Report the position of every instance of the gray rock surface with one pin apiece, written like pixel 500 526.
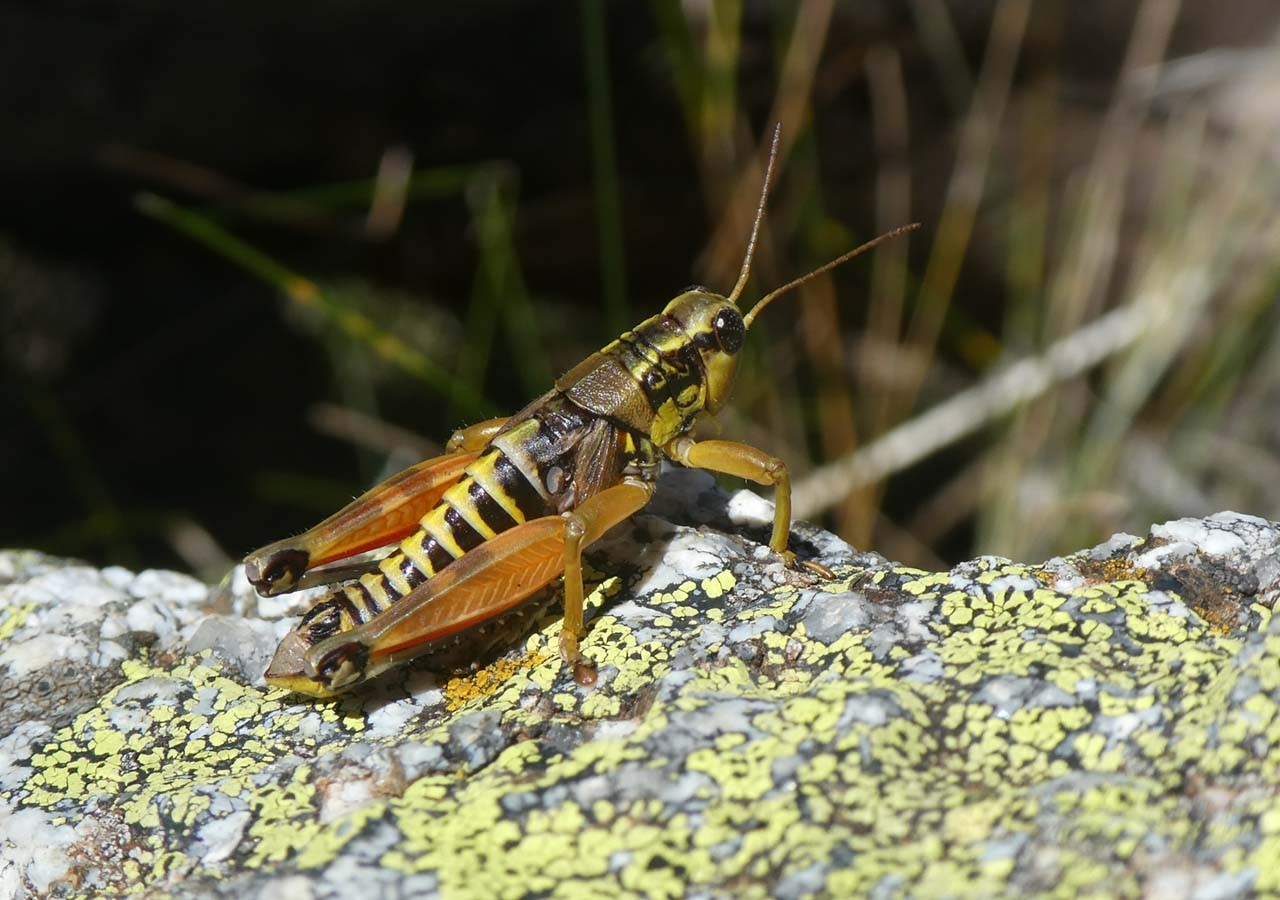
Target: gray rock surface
pixel 1104 721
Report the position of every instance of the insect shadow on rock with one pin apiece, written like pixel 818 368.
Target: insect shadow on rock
pixel 514 501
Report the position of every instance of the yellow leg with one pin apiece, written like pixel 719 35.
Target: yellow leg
pixel 474 437
pixel 747 462
pixel 582 527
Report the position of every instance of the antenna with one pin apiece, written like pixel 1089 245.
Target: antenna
pixel 790 285
pixel 755 229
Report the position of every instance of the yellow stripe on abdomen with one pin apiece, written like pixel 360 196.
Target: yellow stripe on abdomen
pixel 434 525
pixel 459 498
pixel 483 470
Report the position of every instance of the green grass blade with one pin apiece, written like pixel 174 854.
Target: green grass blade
pixel 613 265
pixel 306 293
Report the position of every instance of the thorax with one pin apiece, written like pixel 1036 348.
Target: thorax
pixel 651 380
pixel 569 453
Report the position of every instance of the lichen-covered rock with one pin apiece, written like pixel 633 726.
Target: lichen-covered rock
pixel 1105 720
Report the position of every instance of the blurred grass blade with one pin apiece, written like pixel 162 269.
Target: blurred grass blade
pixel 480 328
pixel 493 209
pixel 968 180
pixel 890 124
pixel 720 84
pixel 938 34
pixel 819 318
pixel 306 293
pixel 613 266
pixel 801 54
pixel 970 410
pixel 682 55
pixel 390 193
pixel 107 522
pixel 321 201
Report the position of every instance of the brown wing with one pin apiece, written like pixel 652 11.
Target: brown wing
pixel 495 577
pixel 598 460
pixel 602 384
pixel 381 516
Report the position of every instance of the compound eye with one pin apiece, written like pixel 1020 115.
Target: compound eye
pixel 730 332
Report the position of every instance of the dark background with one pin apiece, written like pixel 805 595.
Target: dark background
pixel 159 403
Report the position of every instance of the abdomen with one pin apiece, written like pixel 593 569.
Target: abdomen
pixel 493 495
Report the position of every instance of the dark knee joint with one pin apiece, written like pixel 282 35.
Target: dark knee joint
pixel 776 469
pixel 574 530
pixel 276 572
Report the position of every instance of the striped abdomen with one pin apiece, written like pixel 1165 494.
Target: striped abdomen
pixel 492 496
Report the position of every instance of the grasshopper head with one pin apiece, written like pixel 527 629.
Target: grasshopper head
pixel 715 327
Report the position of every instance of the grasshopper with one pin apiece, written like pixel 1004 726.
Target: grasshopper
pixel 513 502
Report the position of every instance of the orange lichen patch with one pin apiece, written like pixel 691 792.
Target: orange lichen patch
pixel 463 689
pixel 1045 577
pixel 1198 585
pixel 1109 571
pixel 100 848
pixel 1218 604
